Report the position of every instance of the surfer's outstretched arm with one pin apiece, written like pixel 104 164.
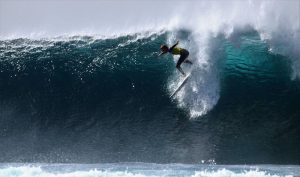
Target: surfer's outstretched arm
pixel 164 49
pixel 171 48
pixel 161 53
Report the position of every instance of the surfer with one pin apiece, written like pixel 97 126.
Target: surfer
pixel 176 51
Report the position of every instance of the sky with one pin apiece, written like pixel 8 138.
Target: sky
pixel 26 18
pixel 65 16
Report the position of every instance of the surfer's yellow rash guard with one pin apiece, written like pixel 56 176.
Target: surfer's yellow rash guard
pixel 176 51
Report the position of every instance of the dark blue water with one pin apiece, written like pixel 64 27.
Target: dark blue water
pixel 87 100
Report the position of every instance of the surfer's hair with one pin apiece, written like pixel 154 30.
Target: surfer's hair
pixel 164 47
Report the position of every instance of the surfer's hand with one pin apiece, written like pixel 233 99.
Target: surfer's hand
pixel 161 53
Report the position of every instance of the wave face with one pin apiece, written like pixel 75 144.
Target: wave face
pixel 89 100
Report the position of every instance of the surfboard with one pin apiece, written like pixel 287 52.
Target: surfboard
pixel 180 85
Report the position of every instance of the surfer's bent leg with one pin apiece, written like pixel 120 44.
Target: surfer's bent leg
pixel 180 70
pixel 181 59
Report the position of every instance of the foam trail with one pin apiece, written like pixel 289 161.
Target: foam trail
pixel 201 92
pixel 32 171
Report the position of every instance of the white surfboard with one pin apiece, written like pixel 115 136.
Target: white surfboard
pixel 180 85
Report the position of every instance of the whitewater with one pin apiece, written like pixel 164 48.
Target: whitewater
pixel 84 93
pixel 144 169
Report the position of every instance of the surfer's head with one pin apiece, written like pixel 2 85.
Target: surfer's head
pixel 164 48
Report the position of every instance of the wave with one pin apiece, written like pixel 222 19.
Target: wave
pixel 98 87
pixel 63 94
pixel 280 35
pixel 86 55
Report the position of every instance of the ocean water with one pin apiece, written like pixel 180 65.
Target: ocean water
pixel 98 104
pixel 107 100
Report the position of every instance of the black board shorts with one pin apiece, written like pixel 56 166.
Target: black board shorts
pixel 183 55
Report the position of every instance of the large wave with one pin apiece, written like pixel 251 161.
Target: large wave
pixel 63 94
pixel 277 23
